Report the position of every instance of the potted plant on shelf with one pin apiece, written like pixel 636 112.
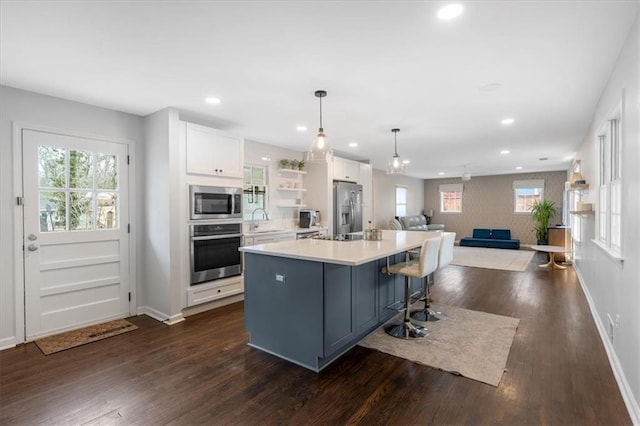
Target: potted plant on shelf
pixel 542 212
pixel 301 165
pixel 284 163
pixel 295 164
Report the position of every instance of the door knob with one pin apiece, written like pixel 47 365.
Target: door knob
pixel 32 237
pixel 32 247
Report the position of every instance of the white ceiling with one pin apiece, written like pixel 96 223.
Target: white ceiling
pixel 384 64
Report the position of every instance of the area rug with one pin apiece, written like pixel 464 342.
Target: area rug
pixel 490 258
pixel 82 336
pixel 468 343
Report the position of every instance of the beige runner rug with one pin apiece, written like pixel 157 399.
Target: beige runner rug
pixel 82 336
pixel 469 343
pixel 491 258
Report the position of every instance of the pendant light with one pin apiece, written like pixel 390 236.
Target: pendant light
pixel 320 150
pixel 396 166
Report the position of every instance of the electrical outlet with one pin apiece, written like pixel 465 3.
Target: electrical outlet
pixel 617 320
pixel 280 278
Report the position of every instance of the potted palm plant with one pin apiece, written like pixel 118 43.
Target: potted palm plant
pixel 542 212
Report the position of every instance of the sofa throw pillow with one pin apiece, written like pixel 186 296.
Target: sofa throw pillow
pixel 501 234
pixel 481 233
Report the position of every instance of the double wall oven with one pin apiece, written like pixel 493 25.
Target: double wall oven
pixel 215 232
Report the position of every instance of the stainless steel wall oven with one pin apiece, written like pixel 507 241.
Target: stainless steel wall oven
pixel 214 251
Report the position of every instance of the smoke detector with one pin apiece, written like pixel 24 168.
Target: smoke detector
pixel 466 175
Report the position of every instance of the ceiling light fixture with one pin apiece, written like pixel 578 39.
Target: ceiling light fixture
pixel 508 121
pixel 320 150
pixel 406 161
pixel 353 144
pixel 212 100
pixel 518 167
pixel 440 173
pixel 395 166
pixel 450 11
pixel 504 151
pixel 301 128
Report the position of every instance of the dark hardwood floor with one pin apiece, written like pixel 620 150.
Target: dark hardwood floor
pixel 202 371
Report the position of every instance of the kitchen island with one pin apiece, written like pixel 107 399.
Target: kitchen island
pixel 309 301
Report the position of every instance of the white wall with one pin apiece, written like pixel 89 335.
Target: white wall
pixel 384 196
pixel 614 288
pixel 281 217
pixel 28 108
pixel 156 290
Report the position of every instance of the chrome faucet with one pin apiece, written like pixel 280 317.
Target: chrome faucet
pixel 254 225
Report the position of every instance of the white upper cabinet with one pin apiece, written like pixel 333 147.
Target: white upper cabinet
pixel 213 153
pixel 346 170
pixel 364 179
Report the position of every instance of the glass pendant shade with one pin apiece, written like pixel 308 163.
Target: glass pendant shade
pixel 320 150
pixel 395 166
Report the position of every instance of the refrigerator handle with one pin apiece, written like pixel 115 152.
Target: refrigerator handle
pixel 352 211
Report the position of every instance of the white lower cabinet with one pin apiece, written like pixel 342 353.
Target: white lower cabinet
pixel 269 238
pixel 214 290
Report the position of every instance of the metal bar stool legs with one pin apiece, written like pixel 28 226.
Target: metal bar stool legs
pixel 428 314
pixel 407 329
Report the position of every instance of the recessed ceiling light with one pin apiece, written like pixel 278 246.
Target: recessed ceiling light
pixel 504 151
pixel 301 128
pixel 507 121
pixel 406 161
pixel 491 87
pixel 265 159
pixel 353 144
pixel 450 11
pixel 519 168
pixel 212 100
pixel 440 173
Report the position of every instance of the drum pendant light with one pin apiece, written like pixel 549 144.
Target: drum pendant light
pixel 320 150
pixel 395 166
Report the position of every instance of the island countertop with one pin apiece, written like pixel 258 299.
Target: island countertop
pixel 352 253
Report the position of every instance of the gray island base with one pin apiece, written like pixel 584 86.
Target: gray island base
pixel 309 301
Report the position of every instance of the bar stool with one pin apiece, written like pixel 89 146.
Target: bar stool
pixel 445 256
pixel 418 268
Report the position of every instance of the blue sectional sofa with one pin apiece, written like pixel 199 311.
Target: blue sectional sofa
pixel 492 238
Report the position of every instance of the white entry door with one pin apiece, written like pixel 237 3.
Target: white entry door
pixel 76 245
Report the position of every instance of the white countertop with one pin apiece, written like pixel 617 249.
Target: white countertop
pixel 350 253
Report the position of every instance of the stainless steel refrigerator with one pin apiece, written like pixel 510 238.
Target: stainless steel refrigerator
pixel 347 207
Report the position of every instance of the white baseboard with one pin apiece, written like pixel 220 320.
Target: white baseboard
pixel 7 342
pixel 174 319
pixel 623 384
pixel 160 316
pixel 192 310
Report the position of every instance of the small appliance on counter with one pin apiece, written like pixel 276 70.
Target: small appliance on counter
pixel 309 218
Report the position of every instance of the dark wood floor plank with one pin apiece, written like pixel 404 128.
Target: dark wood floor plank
pixel 201 371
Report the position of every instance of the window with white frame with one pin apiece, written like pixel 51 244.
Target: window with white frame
pixel 525 193
pixel 401 200
pixel 451 198
pixel 609 219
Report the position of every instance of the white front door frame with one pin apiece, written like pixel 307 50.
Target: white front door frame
pixel 18 220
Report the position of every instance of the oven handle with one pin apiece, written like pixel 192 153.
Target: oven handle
pixel 215 237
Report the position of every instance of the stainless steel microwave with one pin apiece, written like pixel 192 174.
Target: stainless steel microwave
pixel 215 202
